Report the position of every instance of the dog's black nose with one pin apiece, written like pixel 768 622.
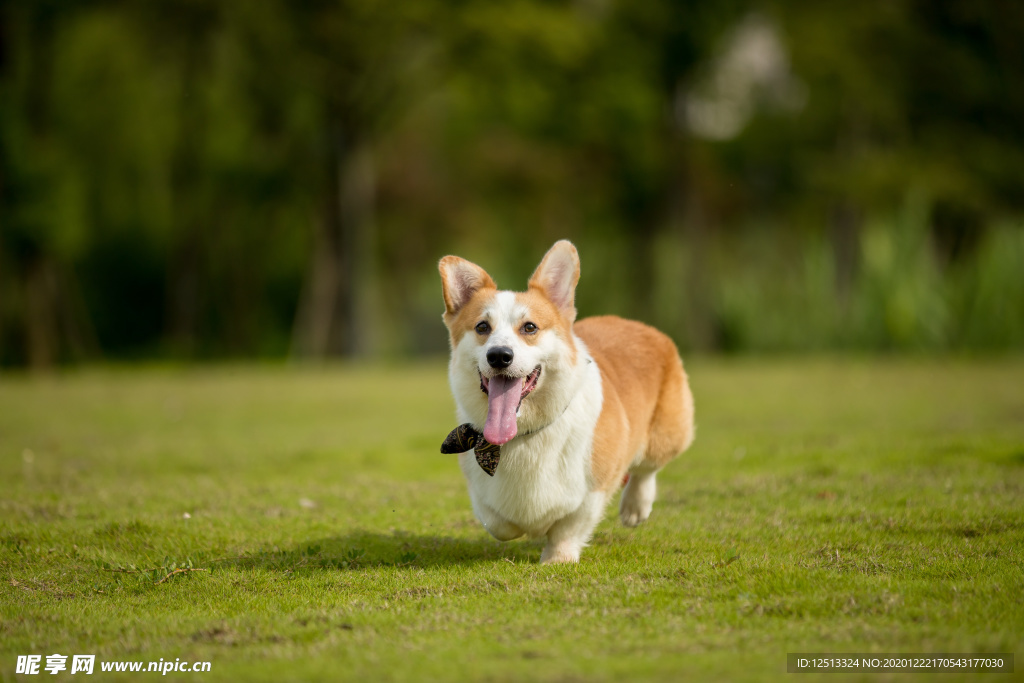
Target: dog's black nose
pixel 499 357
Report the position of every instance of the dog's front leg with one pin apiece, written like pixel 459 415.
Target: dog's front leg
pixel 496 526
pixel 569 535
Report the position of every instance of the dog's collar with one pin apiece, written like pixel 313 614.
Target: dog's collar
pixel 557 418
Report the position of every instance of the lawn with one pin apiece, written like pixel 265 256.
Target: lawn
pixel 829 505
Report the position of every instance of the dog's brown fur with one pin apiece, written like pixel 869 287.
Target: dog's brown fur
pixel 648 407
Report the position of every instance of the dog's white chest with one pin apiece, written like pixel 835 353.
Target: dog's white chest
pixel 543 476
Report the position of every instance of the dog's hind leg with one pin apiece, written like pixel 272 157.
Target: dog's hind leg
pixel 638 496
pixel 502 530
pixel 672 429
pixel 498 527
pixel 671 433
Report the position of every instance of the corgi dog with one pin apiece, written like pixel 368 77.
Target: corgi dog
pixel 564 409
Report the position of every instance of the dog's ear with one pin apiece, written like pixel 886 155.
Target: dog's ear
pixel 460 280
pixel 557 275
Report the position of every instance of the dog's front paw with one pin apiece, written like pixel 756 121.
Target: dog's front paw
pixel 560 554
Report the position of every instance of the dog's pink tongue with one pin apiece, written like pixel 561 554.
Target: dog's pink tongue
pixel 503 394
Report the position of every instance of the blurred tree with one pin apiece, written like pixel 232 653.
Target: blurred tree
pixel 362 58
pixel 573 109
pixel 908 92
pixel 185 32
pixel 668 193
pixel 40 228
pixel 207 177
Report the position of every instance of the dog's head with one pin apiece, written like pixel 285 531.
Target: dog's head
pixel 507 346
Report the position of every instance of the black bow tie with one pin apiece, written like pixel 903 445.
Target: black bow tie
pixel 465 437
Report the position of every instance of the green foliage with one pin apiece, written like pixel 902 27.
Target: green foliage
pixel 239 179
pixel 826 505
pixel 901 301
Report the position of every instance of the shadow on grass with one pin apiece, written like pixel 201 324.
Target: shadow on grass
pixel 366 549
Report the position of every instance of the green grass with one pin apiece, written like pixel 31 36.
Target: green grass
pixel 826 506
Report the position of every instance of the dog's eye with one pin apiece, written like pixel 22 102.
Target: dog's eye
pixel 483 327
pixel 529 328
